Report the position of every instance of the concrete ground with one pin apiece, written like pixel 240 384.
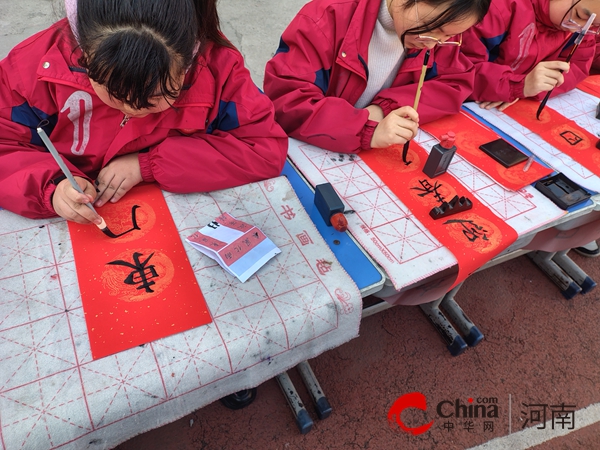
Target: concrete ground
pixel 254 26
pixel 539 349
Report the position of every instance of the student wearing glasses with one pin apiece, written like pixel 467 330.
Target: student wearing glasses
pixel 519 49
pixel 346 71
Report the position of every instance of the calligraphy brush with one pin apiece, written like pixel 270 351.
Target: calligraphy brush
pixel 102 226
pixel 417 97
pixel 578 40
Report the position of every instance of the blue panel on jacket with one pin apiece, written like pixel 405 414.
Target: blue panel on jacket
pixel 30 116
pixel 283 47
pixel 432 72
pixel 227 118
pixel 493 46
pixel 322 79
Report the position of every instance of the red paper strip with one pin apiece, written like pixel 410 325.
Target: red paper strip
pixel 591 85
pixel 474 237
pixel 470 134
pixel 558 131
pixel 140 286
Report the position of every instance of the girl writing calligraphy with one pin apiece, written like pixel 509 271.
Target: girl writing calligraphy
pixel 130 91
pixel 346 72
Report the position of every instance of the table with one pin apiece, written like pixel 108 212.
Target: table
pixel 423 276
pixel 52 394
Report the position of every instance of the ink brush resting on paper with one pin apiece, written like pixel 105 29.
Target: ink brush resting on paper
pixel 578 40
pixel 417 97
pixel 50 146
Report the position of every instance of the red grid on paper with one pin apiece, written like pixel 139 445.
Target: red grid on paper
pixel 52 392
pixel 394 226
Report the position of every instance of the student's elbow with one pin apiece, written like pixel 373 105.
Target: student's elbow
pixel 273 156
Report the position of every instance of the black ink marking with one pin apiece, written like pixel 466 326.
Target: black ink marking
pixel 141 273
pixel 135 226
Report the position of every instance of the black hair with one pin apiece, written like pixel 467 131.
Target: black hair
pixel 455 10
pixel 138 49
pixel 209 29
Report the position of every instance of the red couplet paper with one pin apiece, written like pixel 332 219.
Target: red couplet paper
pixel 470 134
pixel 591 85
pixel 140 286
pixel 474 236
pixel 560 132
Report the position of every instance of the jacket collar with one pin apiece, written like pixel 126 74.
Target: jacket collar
pixel 358 36
pixel 542 14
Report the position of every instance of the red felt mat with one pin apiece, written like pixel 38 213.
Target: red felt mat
pixel 140 286
pixel 470 134
pixel 591 85
pixel 560 132
pixel 474 236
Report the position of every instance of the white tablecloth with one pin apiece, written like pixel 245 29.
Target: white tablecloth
pixel 53 395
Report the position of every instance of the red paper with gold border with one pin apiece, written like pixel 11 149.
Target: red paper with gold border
pixel 560 132
pixel 140 286
pixel 591 85
pixel 474 237
pixel 470 134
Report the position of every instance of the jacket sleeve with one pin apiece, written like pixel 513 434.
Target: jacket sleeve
pixel 297 78
pixel 27 169
pixel 242 144
pixel 482 44
pixel 580 66
pixel 595 70
pixel 487 45
pixel 447 85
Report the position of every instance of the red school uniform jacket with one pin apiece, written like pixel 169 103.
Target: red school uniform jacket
pixel 221 132
pixel 512 39
pixel 320 71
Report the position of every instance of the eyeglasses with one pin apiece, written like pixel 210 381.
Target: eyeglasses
pixel 422 38
pixel 569 21
pixel 431 39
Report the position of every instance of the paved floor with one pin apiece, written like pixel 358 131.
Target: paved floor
pixel 539 349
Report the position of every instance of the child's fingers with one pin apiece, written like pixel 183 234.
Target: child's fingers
pixel 106 187
pixel 556 65
pixel 393 130
pixel 117 178
pixel 489 105
pixel 505 105
pixel 408 112
pixel 71 205
pixel 114 190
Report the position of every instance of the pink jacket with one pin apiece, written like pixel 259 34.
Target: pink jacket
pixel 320 71
pixel 221 133
pixel 595 70
pixel 512 39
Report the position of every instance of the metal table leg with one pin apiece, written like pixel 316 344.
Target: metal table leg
pixel 574 271
pixel 454 341
pixel 303 420
pixel 544 260
pixel 466 327
pixel 314 388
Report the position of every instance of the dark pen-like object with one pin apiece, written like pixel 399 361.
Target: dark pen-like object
pixel 578 40
pixel 417 97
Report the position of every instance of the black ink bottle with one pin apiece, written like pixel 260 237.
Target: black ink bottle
pixel 440 156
